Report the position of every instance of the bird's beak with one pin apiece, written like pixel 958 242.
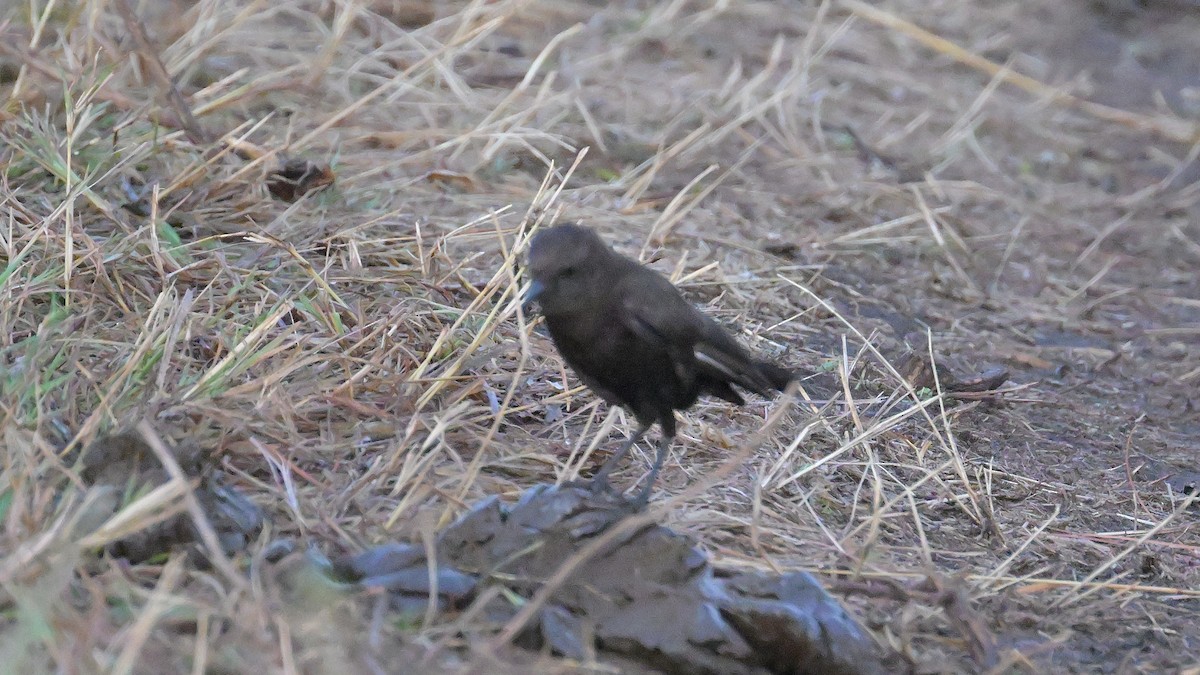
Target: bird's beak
pixel 535 290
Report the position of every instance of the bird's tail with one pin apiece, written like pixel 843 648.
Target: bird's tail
pixel 777 376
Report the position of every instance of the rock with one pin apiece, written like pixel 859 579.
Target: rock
pixel 649 598
pixel 123 461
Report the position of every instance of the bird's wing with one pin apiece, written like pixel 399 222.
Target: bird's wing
pixel 720 353
pixel 653 309
pixel 692 340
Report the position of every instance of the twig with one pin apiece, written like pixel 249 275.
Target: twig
pixel 207 534
pixel 191 127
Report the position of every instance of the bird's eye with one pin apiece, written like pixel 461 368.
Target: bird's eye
pixel 570 271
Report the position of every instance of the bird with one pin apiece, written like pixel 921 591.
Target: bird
pixel 633 339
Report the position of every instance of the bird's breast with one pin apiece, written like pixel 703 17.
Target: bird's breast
pixel 621 366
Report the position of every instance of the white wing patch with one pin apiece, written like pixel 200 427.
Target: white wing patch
pixel 716 365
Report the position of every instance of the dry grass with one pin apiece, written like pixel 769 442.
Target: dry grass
pixel 358 363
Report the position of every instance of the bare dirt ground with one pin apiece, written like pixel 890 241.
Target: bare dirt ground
pixel 845 184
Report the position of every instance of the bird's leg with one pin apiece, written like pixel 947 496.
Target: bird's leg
pixel 600 480
pixel 664 445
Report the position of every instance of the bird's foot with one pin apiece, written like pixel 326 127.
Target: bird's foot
pixel 595 485
pixel 599 484
pixel 643 499
pixel 578 483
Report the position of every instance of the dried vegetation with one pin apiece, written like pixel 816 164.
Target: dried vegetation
pixel 290 232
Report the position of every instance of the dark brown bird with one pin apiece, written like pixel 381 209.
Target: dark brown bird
pixel 633 339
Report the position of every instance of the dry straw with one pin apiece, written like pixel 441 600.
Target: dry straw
pixel 357 362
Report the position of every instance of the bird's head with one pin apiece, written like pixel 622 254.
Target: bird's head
pixel 566 263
